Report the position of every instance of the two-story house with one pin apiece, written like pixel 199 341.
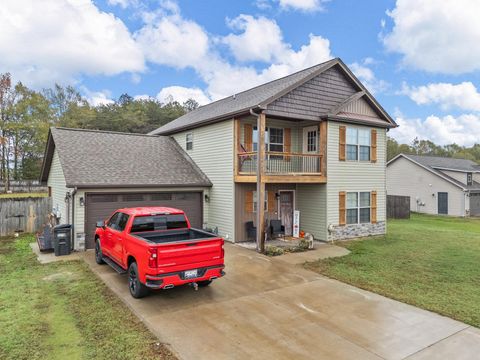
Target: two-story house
pixel 322 152
pixel 313 141
pixel 436 185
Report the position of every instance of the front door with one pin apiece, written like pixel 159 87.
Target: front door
pixel 286 211
pixel 443 203
pixel 310 146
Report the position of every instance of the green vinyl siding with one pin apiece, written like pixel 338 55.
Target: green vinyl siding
pixel 354 175
pixel 56 181
pixel 311 201
pixel 213 153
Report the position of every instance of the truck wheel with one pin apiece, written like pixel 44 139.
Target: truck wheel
pixel 137 289
pixel 98 253
pixel 204 283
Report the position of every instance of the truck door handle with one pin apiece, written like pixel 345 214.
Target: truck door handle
pixel 194 244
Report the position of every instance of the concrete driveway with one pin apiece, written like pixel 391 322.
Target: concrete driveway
pixel 268 308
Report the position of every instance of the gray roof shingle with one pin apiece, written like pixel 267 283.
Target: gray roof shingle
pixel 240 102
pixel 93 158
pixel 446 163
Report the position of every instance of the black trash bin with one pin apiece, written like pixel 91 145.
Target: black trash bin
pixel 62 239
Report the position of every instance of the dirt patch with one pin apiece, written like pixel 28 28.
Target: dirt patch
pixel 59 276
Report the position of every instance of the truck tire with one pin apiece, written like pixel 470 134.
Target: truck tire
pixel 98 253
pixel 137 289
pixel 204 283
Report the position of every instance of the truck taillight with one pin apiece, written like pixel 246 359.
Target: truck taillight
pixel 152 259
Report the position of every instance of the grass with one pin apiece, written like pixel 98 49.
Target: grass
pixel 428 261
pixel 62 311
pixel 22 195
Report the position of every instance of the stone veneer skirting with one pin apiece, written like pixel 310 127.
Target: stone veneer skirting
pixel 357 230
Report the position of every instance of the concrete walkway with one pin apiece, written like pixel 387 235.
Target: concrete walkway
pixel 266 308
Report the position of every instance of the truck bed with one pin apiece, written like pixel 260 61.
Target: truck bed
pixel 169 236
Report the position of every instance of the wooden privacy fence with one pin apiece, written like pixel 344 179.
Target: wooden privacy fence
pixel 398 207
pixel 23 214
pixel 21 186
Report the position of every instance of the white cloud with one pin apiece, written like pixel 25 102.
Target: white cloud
pixel 245 47
pixel 367 76
pixel 169 39
pixel 464 96
pixel 225 79
pixel 462 130
pixel 49 41
pixel 436 36
pixel 96 98
pixel 182 94
pixel 302 5
pixel 122 3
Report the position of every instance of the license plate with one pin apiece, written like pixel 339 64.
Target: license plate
pixel 190 274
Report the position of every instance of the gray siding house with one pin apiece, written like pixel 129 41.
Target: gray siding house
pixel 322 153
pixel 436 185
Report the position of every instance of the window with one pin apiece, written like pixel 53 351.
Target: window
pixel 358 207
pixel 189 141
pixel 158 222
pixel 358 144
pixel 112 222
pixel 469 179
pixel 122 222
pixel 273 139
pixel 312 141
pixel 255 201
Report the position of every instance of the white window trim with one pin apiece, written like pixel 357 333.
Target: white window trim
pixel 254 204
pixel 358 145
pixel 188 142
pixel 358 207
pixel 267 138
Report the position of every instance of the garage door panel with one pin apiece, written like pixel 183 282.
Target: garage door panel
pixel 475 204
pixel 100 206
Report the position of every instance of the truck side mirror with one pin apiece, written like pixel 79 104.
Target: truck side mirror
pixel 100 224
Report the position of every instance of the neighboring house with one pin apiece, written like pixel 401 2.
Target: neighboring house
pixel 324 154
pixel 92 173
pixel 436 185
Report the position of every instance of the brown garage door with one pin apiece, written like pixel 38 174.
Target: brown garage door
pixel 101 206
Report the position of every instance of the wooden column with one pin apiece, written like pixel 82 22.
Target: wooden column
pixel 236 143
pixel 322 139
pixel 261 119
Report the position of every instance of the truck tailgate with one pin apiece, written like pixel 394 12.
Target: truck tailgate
pixel 190 253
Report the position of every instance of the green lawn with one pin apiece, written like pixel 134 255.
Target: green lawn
pixel 62 311
pixel 428 261
pixel 22 195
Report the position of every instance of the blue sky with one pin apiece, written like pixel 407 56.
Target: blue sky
pixel 420 58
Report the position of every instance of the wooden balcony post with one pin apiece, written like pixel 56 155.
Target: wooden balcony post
pixel 261 119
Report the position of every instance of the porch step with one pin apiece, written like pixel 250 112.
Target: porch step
pixel 114 265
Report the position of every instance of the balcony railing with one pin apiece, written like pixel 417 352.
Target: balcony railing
pixel 279 163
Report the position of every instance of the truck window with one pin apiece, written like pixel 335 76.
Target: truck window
pixel 112 222
pixel 122 222
pixel 159 222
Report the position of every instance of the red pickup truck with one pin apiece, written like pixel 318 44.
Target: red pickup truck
pixel 158 249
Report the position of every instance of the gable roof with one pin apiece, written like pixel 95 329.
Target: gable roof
pixel 435 165
pixel 92 158
pixel 446 163
pixel 259 97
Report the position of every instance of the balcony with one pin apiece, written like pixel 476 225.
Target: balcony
pixel 281 166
